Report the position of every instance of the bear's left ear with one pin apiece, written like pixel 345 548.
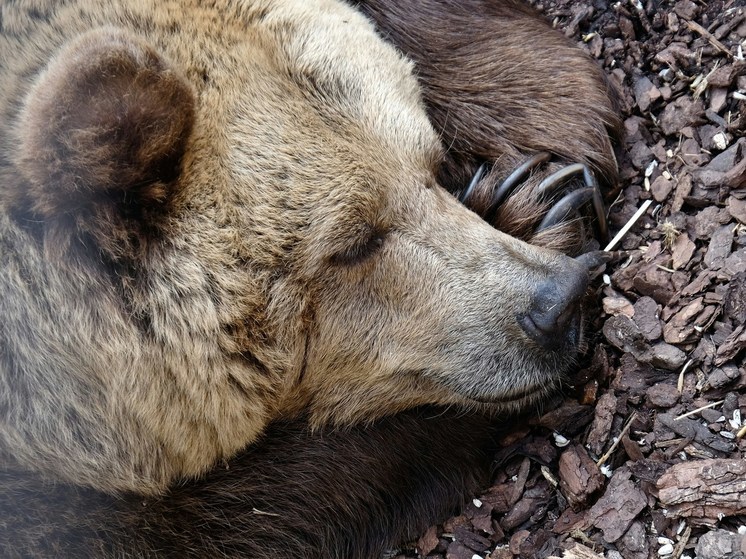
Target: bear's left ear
pixel 106 124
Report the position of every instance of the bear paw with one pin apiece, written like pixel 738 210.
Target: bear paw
pixel 553 212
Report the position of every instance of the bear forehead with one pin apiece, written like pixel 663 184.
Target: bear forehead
pixel 301 101
pixel 301 97
pixel 310 75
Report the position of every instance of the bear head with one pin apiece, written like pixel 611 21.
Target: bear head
pixel 204 231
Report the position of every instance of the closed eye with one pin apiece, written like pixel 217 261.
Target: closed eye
pixel 361 251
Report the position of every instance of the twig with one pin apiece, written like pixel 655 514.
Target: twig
pixel 612 448
pixel 680 383
pixel 628 225
pixel 549 477
pixel 697 28
pixel 681 544
pixel 741 432
pixel 687 414
pixel 670 270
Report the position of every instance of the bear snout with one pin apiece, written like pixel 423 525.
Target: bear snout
pixel 554 315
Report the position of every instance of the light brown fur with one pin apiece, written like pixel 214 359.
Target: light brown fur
pixel 162 305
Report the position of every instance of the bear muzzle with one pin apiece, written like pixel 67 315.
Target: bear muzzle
pixel 554 316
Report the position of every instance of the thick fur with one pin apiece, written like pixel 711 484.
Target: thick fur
pixel 499 83
pixel 219 216
pixel 347 494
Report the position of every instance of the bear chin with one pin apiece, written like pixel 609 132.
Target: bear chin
pixel 244 312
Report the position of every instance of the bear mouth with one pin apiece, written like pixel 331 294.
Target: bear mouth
pixel 525 395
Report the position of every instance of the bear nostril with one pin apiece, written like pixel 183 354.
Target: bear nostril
pixel 552 320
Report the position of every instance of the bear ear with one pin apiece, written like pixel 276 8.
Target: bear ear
pixel 106 124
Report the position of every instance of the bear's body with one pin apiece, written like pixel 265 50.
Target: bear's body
pixel 219 215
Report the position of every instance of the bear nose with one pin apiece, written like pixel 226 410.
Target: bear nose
pixel 553 319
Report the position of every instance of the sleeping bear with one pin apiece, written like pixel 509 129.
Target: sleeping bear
pixel 244 312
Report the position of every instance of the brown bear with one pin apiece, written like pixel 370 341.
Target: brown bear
pixel 228 225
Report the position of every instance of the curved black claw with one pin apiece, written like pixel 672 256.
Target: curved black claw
pixel 554 181
pixel 598 205
pixel 516 177
pixel 567 205
pixel 469 192
pixel 592 260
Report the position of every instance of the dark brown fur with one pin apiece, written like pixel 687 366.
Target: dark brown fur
pixel 344 494
pixel 500 84
pixel 111 173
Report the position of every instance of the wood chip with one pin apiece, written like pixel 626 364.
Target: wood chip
pixel 704 490
pixel 580 478
pixel 620 504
